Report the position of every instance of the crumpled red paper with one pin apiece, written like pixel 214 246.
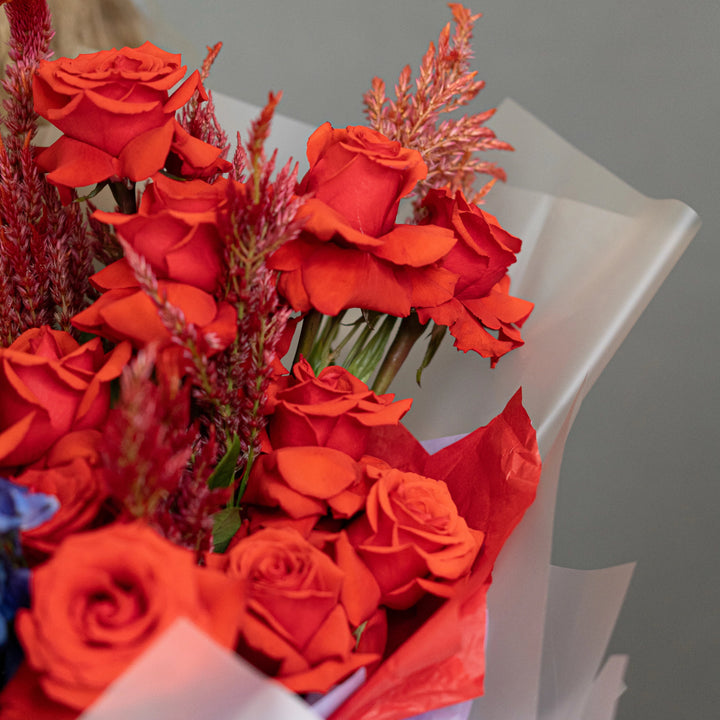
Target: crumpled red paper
pixel 492 474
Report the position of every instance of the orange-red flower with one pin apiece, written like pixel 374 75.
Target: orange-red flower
pixel 481 315
pixel 116 112
pixel 412 537
pixel 352 253
pixel 296 628
pixel 125 312
pixel 49 386
pixel 308 483
pixel 334 410
pixel 176 230
pixel 101 601
pixel 191 157
pixel 72 474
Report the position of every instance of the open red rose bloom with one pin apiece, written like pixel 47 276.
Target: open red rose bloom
pixel 352 253
pixel 99 603
pixel 116 113
pixel 49 386
pixel 289 514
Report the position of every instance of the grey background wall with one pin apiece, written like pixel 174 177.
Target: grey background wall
pixel 635 84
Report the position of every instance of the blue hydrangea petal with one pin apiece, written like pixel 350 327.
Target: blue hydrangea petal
pixel 23 510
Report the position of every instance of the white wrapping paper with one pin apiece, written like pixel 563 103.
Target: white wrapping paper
pixel 594 253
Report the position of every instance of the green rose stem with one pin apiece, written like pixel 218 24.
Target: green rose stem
pixel 410 330
pixel 369 319
pixel 308 333
pixel 319 332
pixel 363 364
pixel 335 351
pixel 124 196
pixel 323 353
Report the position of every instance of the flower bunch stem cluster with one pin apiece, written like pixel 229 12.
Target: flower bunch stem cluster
pixel 373 347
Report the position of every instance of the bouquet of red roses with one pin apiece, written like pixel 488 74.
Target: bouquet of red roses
pixel 288 514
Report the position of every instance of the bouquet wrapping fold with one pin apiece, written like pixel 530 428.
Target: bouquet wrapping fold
pixel 594 253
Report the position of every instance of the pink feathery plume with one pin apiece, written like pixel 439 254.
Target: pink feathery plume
pixel 445 83
pixel 147 442
pixel 198 116
pixel 45 252
pixel 147 447
pixel 261 215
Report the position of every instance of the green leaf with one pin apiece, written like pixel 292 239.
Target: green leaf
pixel 226 523
pixel 92 193
pixel 367 361
pixel 436 338
pixel 224 474
pixel 367 321
pixel 358 631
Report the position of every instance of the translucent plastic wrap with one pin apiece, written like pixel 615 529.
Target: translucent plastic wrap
pixel 594 253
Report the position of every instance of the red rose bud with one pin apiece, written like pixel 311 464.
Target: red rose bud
pixel 385 170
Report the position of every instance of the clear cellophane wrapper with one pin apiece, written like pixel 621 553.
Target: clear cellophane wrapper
pixel 594 253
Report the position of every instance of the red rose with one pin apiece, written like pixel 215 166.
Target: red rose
pixel 175 229
pixel 115 111
pixel 412 537
pixel 296 628
pixel 80 490
pixel 306 483
pixel 334 410
pixel 351 253
pixel 72 475
pixel 191 157
pixel 49 386
pixel 480 259
pixel 125 312
pixel 102 600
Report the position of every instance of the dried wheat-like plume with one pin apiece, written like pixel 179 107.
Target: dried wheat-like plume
pixel 45 251
pixel 155 460
pixel 198 116
pixel 444 84
pixel 260 216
